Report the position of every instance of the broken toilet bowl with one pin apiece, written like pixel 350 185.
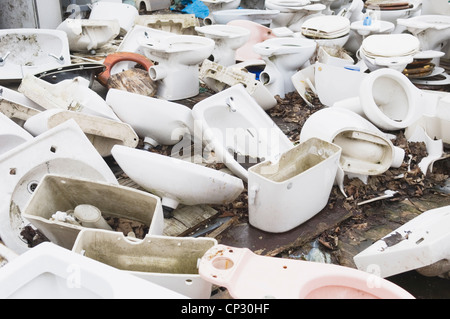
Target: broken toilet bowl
pixel 238 130
pixel 157 121
pixel 285 193
pixel 178 58
pixel 11 134
pixel 52 272
pixel 103 133
pixel 227 39
pixel 283 57
pixel 88 35
pixel 30 51
pixel 174 23
pixel 247 275
pixel 170 262
pixel 420 243
pixel 63 150
pixel 177 181
pixel 67 196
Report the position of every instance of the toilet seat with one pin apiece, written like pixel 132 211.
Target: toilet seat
pixel 390 45
pixel 326 27
pixel 387 5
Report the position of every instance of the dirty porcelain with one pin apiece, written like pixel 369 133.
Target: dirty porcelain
pixel 63 150
pixel 73 95
pixel 102 133
pixel 63 194
pixel 283 57
pixel 238 130
pixel 258 33
pixel 152 5
pixel 17 106
pixel 421 242
pixel 124 13
pixel 293 13
pixel 170 262
pixel 263 17
pixel 87 35
pixel 218 78
pixel 285 193
pixel 51 272
pixel 157 121
pixel 177 181
pixel 250 276
pixel 365 149
pixel 30 51
pixel 174 23
pixel 11 134
pixel 227 40
pixel 178 58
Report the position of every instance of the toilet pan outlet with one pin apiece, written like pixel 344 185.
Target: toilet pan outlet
pixel 157 72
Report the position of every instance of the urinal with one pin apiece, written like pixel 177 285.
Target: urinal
pixel 170 262
pixel 258 33
pixel 260 16
pixel 421 242
pixel 11 134
pixel 178 58
pixel 30 51
pixel 326 30
pixel 285 193
pixel 365 149
pixel 52 272
pixel 293 13
pixel 177 181
pixel 217 78
pixel 394 51
pixel 247 275
pixel 227 40
pixel 102 133
pixel 157 121
pixel 174 23
pixel 88 35
pixel 124 13
pixel 63 195
pixel 238 130
pixel 433 31
pixel 283 57
pixel 63 150
pixel 73 95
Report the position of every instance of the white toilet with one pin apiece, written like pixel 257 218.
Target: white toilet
pixel 293 12
pixel 88 35
pixel 157 122
pixel 63 150
pixel 241 134
pixel 285 193
pixel 52 272
pixel 174 23
pixel 218 5
pixel 227 39
pixel 394 51
pixel 62 206
pixel 124 13
pixel 170 262
pixel 283 57
pixel 178 58
pixel 331 31
pixel 11 134
pixel 261 16
pixel 361 29
pixel 177 181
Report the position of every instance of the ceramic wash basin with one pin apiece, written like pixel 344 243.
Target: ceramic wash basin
pixel 11 134
pixel 63 150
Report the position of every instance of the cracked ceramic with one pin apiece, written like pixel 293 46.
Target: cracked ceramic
pixel 60 194
pixel 63 150
pixel 227 40
pixel 283 57
pixel 11 134
pixel 30 51
pixel 177 181
pixel 284 194
pixel 174 23
pixel 238 130
pixel 102 133
pixel 170 262
pixel 86 35
pixel 419 243
pixel 156 121
pixel 124 13
pixel 73 95
pixel 247 275
pixel 52 272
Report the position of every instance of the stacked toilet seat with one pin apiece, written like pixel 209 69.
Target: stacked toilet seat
pixel 326 27
pixel 286 5
pixel 385 5
pixel 389 50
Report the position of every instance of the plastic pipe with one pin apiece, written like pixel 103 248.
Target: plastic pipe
pixel 91 217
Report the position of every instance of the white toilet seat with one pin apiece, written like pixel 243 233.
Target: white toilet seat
pixel 390 45
pixel 326 27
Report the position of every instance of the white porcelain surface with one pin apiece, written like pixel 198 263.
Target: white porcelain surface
pixel 124 13
pixel 11 134
pixel 256 15
pixel 63 150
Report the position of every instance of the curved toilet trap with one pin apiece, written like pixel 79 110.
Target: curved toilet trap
pixel 248 276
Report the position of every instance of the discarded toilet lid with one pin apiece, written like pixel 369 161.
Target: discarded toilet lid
pixel 255 15
pixel 390 45
pixel 326 27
